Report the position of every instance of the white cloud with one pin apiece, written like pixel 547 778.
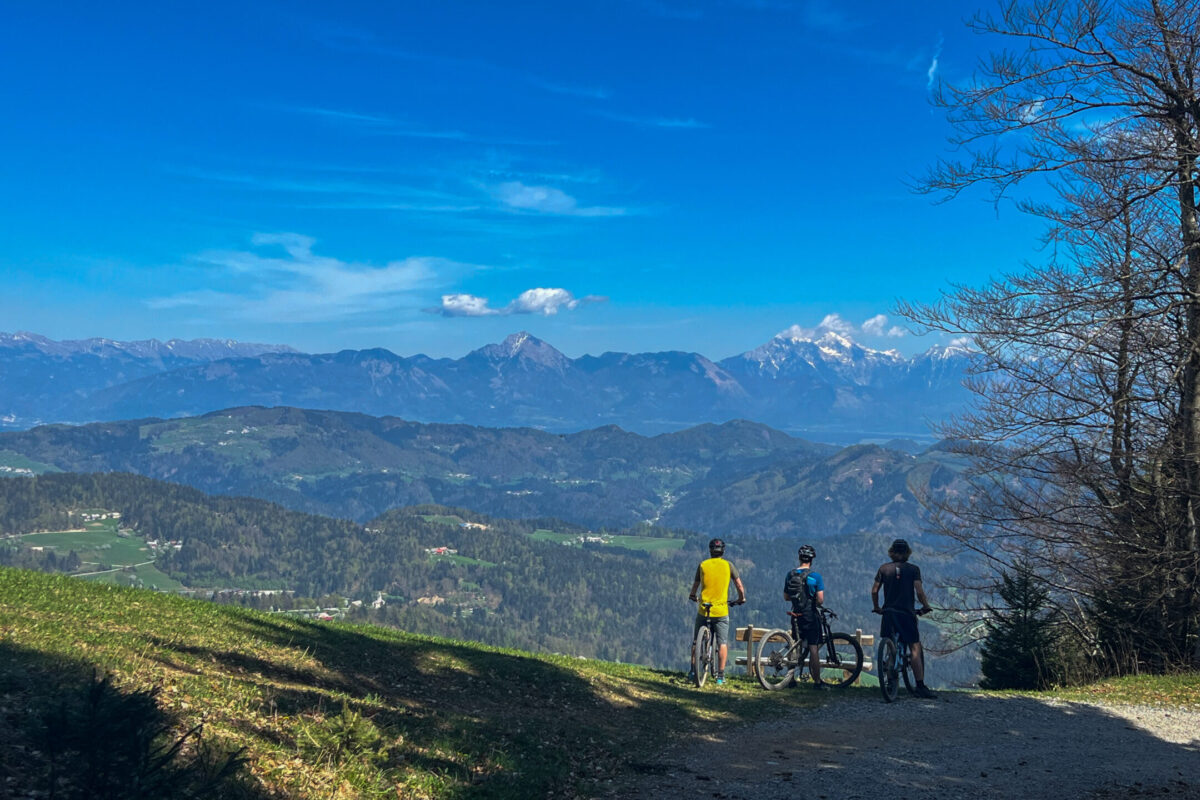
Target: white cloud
pixel 831 323
pixel 877 326
pixel 546 302
pixel 302 286
pixel 931 73
pixel 548 200
pixel 834 323
pixel 1029 112
pixel 465 305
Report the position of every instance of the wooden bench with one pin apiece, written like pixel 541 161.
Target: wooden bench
pixel 752 636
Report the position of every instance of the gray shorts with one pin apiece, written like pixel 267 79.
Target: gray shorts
pixel 722 626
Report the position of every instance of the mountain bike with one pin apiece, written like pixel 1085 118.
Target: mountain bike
pixel 704 648
pixel 895 661
pixel 782 656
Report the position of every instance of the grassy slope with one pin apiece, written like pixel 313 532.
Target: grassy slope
pixel 452 719
pixel 1181 691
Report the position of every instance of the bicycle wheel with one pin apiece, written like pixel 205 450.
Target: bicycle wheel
pixel 702 655
pixel 776 660
pixel 910 682
pixel 841 661
pixel 885 658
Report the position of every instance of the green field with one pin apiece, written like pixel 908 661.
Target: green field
pixel 15 464
pixel 648 543
pixel 106 556
pixel 442 519
pixel 457 559
pixel 97 544
pixel 543 535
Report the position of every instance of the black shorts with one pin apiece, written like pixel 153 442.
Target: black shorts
pixel 807 628
pixel 904 624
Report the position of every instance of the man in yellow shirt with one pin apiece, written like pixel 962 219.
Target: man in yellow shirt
pixel 712 580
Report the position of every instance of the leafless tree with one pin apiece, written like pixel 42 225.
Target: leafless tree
pixel 1084 444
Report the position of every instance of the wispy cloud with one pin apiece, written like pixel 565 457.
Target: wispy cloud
pixel 671 11
pixel 301 286
pixel 380 125
pixel 307 185
pixel 517 196
pixel 342 193
pixel 821 15
pixel 546 302
pixel 554 87
pixel 684 123
pixel 362 41
pixel 931 73
pixel 338 115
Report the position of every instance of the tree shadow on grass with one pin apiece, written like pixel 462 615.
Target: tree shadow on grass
pixel 67 731
pixel 485 723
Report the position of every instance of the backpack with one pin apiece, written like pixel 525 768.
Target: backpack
pixel 797 590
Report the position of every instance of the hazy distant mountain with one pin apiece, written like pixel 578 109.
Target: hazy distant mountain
pixel 42 380
pixel 829 387
pixel 739 478
pixel 172 350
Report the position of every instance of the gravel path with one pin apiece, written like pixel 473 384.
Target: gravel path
pixel 962 745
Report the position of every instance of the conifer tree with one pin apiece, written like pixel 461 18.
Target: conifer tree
pixel 1020 651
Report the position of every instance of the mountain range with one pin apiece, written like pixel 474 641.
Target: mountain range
pixel 828 388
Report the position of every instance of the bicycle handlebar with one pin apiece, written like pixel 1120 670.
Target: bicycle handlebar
pixel 826 611
pixel 708 606
pixel 916 612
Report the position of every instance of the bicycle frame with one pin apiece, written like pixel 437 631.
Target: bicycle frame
pixel 783 656
pixel 705 651
pixel 895 662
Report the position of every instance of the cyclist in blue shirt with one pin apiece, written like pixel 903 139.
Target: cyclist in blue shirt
pixel 805 590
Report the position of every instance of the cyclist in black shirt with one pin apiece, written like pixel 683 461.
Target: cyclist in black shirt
pixel 901 581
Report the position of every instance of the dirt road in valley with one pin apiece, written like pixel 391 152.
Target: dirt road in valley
pixel 962 745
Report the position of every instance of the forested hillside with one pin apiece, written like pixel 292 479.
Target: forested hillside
pixel 739 478
pixel 504 584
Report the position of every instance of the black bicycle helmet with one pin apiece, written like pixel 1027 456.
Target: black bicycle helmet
pixel 716 547
pixel 806 553
pixel 900 547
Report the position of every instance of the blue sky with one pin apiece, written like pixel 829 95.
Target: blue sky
pixel 627 175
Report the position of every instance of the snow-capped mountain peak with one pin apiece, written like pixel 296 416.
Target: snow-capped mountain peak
pixel 524 346
pixel 817 349
pixel 956 348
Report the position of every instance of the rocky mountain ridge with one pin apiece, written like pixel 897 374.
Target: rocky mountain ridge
pixel 828 388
